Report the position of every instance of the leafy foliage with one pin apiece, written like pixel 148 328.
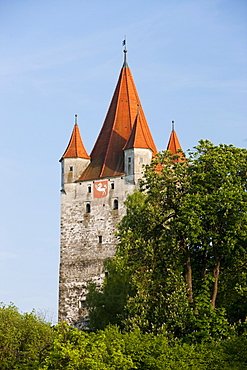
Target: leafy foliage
pixel 79 350
pixel 28 343
pixel 182 253
pixel 107 304
pixel 24 339
pixel 31 344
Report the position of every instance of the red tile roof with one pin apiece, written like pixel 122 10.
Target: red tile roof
pixel 140 137
pixel 174 145
pixel 107 155
pixel 75 148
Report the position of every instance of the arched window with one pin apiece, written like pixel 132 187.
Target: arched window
pixel 88 208
pixel 115 204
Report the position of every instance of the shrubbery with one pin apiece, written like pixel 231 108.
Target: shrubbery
pixel 28 343
pixel 24 339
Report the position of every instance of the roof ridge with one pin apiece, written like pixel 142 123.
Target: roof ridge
pixel 128 94
pixel 111 134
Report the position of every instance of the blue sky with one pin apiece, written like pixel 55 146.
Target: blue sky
pixel 61 58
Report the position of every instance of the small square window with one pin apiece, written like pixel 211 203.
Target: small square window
pixel 129 159
pixel 71 168
pixel 141 160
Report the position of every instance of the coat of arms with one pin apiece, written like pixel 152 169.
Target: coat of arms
pixel 100 189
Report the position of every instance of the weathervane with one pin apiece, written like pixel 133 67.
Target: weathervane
pixel 125 49
pixel 124 44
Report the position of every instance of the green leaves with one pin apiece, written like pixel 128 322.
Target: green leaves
pixel 24 339
pixel 28 343
pixel 182 253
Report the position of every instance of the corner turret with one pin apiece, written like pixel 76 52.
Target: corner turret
pixel 138 150
pixel 75 158
pixel 174 145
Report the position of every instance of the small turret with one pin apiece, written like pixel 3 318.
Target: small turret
pixel 75 158
pixel 174 145
pixel 138 150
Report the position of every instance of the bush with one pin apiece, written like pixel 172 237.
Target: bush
pixel 24 339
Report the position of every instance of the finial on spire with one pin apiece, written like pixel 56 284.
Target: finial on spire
pixel 172 125
pixel 75 119
pixel 125 51
pixel 124 43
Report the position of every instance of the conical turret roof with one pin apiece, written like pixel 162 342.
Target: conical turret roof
pixel 107 154
pixel 75 148
pixel 139 136
pixel 174 144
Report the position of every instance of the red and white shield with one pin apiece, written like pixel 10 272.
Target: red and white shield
pixel 100 189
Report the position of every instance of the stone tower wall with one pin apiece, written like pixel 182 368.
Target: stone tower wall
pixel 71 169
pixel 134 161
pixel 88 226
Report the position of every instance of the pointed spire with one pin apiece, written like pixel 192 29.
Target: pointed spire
pixel 139 137
pixel 125 65
pixel 107 154
pixel 75 148
pixel 174 144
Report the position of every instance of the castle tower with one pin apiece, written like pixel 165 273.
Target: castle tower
pixel 93 193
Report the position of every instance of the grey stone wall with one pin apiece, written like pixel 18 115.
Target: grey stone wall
pixel 88 226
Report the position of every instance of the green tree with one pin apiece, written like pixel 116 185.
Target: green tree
pixel 28 343
pixel 212 218
pixel 24 339
pixel 106 304
pixel 75 350
pixel 183 244
pixel 111 349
